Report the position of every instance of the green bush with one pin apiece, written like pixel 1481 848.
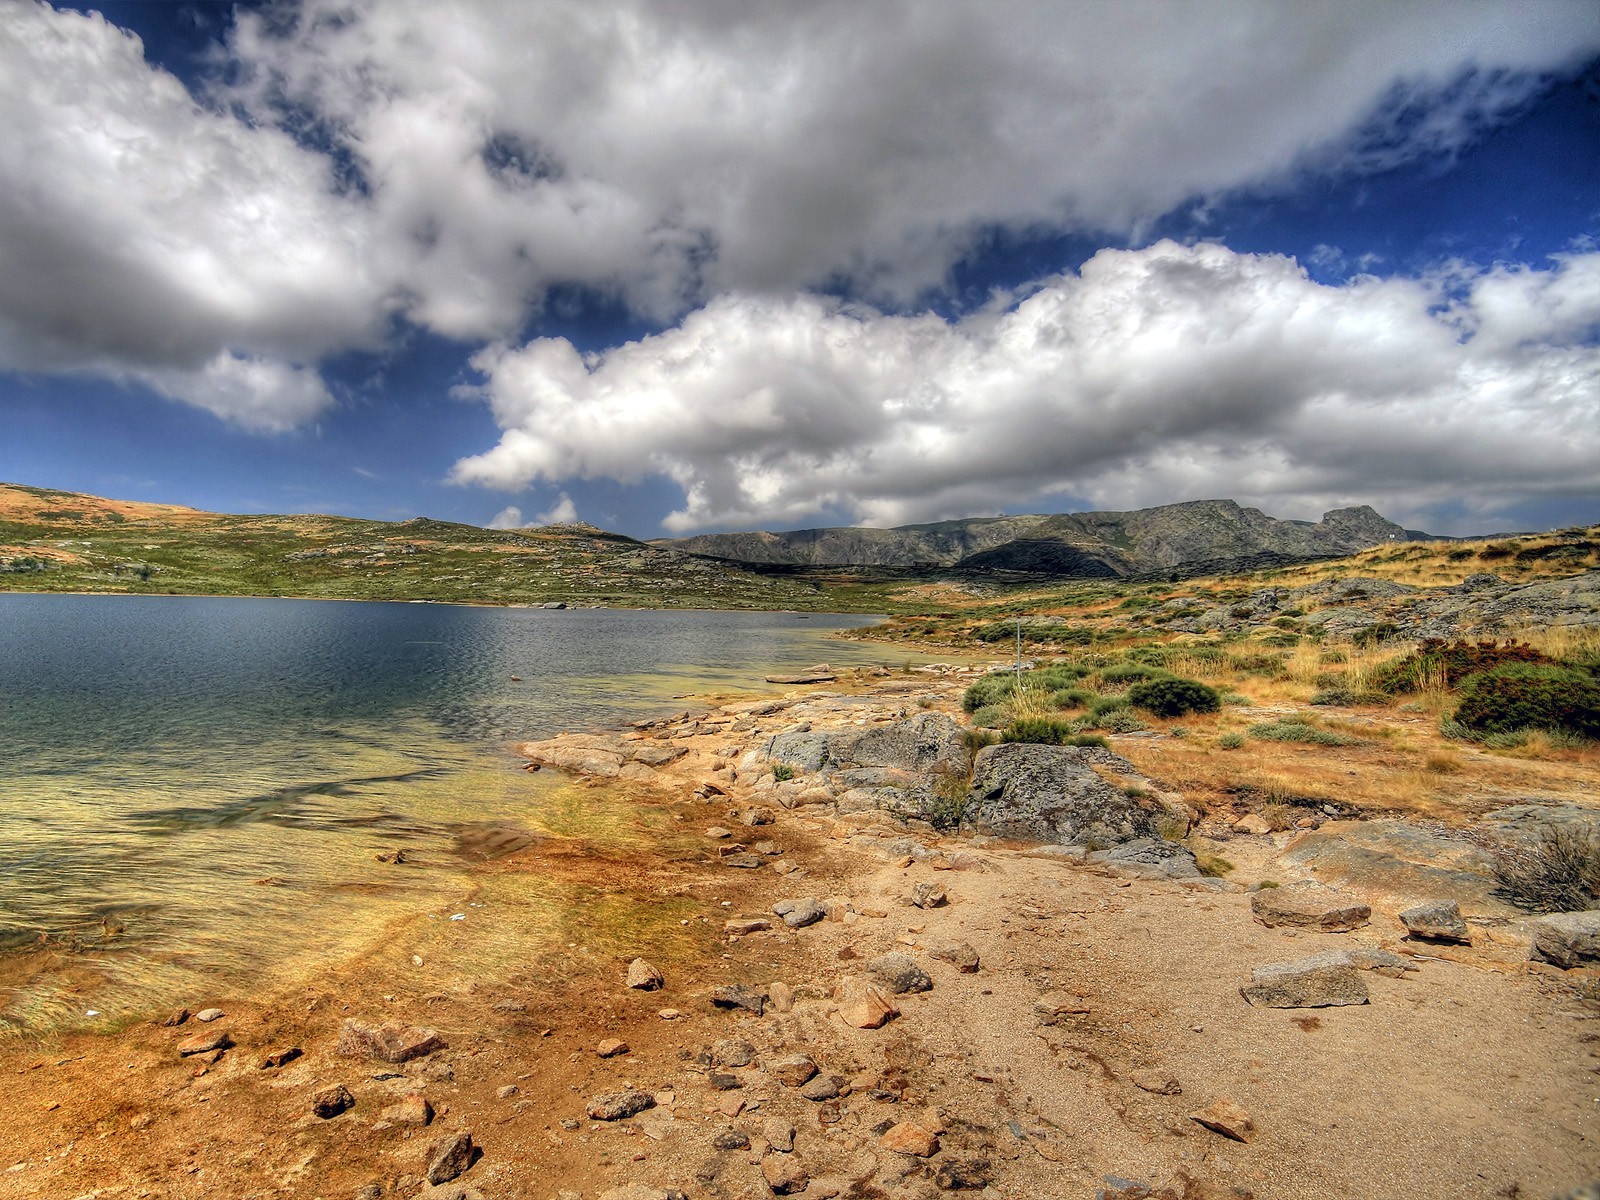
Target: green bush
pixel 1049 731
pixel 991 689
pixel 1450 661
pixel 1174 697
pixel 1231 741
pixel 782 772
pixel 1101 705
pixel 1523 695
pixel 991 716
pixel 1129 672
pixel 1119 721
pixel 1299 731
pixel 1071 697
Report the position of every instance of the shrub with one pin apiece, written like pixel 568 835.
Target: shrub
pixel 1524 695
pixel 990 716
pixel 1173 697
pixel 1299 731
pixel 1557 872
pixel 1129 672
pixel 1449 662
pixel 782 772
pixel 1049 731
pixel 1120 721
pixel 1231 741
pixel 1101 705
pixel 1280 816
pixel 1071 697
pixel 991 689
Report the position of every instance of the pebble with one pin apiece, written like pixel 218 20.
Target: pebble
pixel 908 1137
pixel 929 895
pixel 1227 1118
pixel 610 1048
pixel 331 1101
pixel 643 976
pixel 209 1014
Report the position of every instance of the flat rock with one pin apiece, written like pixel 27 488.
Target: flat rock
pixel 785 1174
pixel 1308 906
pixel 793 1070
pixel 928 894
pixel 741 926
pixel 390 1042
pixel 864 1005
pixel 960 955
pixel 797 914
pixel 331 1101
pixel 1147 858
pixel 742 861
pixel 899 974
pixel 611 1047
pixel 411 1109
pixel 210 1014
pixel 1320 981
pixel 1156 1082
pixel 1227 1118
pixel 450 1156
pixel 908 1137
pixel 644 976
pixel 1399 861
pixel 1435 921
pixel 733 1052
pixel 204 1043
pixel 1567 939
pixel 737 995
pixel 616 1106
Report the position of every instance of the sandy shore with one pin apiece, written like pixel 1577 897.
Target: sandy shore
pixel 1103 1014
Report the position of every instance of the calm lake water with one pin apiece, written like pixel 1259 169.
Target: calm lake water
pixel 192 791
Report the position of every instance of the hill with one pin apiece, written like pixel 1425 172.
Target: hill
pixel 1081 545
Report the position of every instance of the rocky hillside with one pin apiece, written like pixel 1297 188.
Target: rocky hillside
pixel 1084 545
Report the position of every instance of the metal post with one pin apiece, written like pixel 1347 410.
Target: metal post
pixel 1019 654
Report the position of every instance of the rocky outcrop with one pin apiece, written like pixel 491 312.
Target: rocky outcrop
pixel 1308 906
pixel 1569 939
pixel 1320 981
pixel 607 755
pixel 1050 794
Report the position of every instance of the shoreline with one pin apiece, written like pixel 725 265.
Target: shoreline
pixel 1027 1076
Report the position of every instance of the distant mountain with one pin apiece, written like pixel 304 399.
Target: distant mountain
pixel 1093 545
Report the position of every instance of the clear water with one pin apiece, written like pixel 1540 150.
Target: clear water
pixel 193 791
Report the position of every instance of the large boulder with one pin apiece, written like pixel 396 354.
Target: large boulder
pixel 912 768
pixel 1050 794
pixel 1570 939
pixel 1147 858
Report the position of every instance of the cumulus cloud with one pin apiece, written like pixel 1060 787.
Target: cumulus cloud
pixel 509 517
pixel 1173 371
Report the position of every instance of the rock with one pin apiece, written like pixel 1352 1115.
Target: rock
pixel 669 1014
pixel 821 673
pixel 411 1109
pixel 899 974
pixel 781 995
pixel 1051 794
pixel 1569 939
pixel 1157 1082
pixel 611 1047
pixel 1228 1119
pixel 390 1042
pixel 797 914
pixel 506 1091
pixel 731 1139
pixel 863 1005
pixel 615 1106
pixel 1147 858
pixel 1401 860
pixel 737 995
pixel 454 1190
pixel 756 816
pixel 719 832
pixel 779 1134
pixel 823 1087
pixel 210 1014
pixel 331 1101
pixel 450 1156
pixel 742 862
pixel 928 895
pixel 643 976
pixel 743 926
pixel 204 1043
pixel 1250 823
pixel 177 1018
pixel 724 1081
pixel 963 1175
pixel 784 1174
pixel 1584 1191
pixel 1435 921
pixel 910 1138
pixel 792 1070
pixel 1321 981
pixel 960 955
pixel 732 1052
pixel 1308 906
pixel 279 1057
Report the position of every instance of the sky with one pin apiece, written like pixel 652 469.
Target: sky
pixel 679 266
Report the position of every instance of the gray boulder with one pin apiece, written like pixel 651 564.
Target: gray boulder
pixel 1147 858
pixel 1050 794
pixel 1570 939
pixel 1435 921
pixel 1320 981
pixel 899 974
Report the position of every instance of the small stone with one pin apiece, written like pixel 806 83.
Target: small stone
pixel 1228 1119
pixel 669 1014
pixel 1308 906
pixel 279 1057
pixel 756 816
pixel 793 1070
pixel 743 862
pixel 963 1175
pixel 784 1174
pixel 390 1042
pixel 724 1081
pixel 411 1109
pixel 1436 921
pixel 732 1052
pixel 210 1014
pixel 898 974
pixel 643 976
pixel 908 1137
pixel 1250 823
pixel 331 1101
pixel 615 1106
pixel 1570 939
pixel 863 1005
pixel 822 1087
pixel 779 1134
pixel 960 955
pixel 797 914
pixel 204 1043
pixel 928 895
pixel 611 1047
pixel 719 832
pixel 741 926
pixel 782 996
pixel 1158 1082
pixel 449 1157
pixel 737 995
pixel 1321 981
pixel 732 1139
pixel 177 1018
pixel 509 1006
pixel 506 1092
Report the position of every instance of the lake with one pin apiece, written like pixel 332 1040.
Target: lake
pixel 193 789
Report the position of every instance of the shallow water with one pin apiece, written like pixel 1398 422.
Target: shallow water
pixel 193 791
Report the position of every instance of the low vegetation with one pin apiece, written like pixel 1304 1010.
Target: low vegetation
pixel 1559 871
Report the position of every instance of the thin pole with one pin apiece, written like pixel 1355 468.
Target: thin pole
pixel 1019 654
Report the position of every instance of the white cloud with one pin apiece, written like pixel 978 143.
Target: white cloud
pixel 258 394
pixel 562 512
pixel 1160 373
pixel 509 517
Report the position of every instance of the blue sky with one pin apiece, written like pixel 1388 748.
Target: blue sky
pixel 777 266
